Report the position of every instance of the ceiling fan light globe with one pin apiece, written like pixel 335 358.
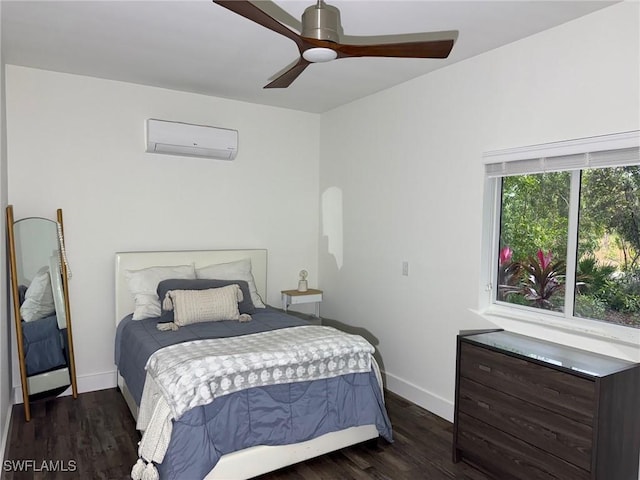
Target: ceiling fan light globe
pixel 319 55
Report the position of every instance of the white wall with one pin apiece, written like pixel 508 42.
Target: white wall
pixel 5 317
pixel 77 143
pixel 407 162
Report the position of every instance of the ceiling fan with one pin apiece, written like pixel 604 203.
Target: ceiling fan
pixel 320 39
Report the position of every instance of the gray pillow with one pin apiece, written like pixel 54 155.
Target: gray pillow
pixel 245 306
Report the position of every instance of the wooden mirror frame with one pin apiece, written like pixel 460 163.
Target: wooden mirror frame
pixel 17 316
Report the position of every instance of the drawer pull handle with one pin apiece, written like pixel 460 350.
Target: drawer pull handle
pixel 484 368
pixel 483 405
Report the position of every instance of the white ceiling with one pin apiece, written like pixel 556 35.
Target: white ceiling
pixel 198 46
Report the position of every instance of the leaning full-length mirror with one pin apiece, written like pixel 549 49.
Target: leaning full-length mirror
pixel 40 295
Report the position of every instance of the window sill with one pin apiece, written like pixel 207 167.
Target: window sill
pixel 609 333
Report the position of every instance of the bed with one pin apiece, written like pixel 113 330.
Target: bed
pixel 242 461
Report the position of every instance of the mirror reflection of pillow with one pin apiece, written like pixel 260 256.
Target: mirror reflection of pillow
pixel 38 299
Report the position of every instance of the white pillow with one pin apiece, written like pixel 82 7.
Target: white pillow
pixel 239 270
pixel 211 305
pixel 144 283
pixel 38 299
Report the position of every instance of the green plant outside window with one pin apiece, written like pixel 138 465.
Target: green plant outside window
pixel 535 244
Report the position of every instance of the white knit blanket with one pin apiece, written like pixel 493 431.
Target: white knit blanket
pixel 186 375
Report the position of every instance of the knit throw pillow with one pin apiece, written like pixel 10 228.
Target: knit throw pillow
pixel 211 305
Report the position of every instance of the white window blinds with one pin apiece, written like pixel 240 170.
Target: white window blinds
pixel 615 150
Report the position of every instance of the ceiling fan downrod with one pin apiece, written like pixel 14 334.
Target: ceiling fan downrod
pixel 322 22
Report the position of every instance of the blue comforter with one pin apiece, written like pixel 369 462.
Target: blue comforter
pixel 273 415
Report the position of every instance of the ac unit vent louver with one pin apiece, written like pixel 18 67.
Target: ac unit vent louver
pixel 184 139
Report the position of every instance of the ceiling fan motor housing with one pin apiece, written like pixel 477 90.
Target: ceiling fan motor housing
pixel 321 22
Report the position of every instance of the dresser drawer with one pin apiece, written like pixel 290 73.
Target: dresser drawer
pixel 507 457
pixel 543 386
pixel 558 435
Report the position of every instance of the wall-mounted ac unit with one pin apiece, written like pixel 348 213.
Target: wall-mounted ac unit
pixel 175 138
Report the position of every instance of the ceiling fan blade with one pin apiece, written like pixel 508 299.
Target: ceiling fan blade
pixel 287 78
pixel 249 11
pixel 399 38
pixel 428 49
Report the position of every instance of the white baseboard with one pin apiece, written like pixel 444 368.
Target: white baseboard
pixel 86 383
pixel 428 400
pixel 96 381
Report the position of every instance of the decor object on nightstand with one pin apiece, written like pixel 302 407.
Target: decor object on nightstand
pixel 302 283
pixel 295 297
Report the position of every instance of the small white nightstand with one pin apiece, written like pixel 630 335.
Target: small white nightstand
pixel 294 297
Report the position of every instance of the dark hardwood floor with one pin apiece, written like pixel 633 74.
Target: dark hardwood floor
pixel 94 437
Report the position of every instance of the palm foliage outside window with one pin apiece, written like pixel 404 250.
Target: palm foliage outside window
pixel 564 240
pixel 542 251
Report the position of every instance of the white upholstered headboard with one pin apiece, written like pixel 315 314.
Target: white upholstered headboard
pixel 201 258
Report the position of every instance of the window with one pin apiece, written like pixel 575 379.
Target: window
pixel 567 229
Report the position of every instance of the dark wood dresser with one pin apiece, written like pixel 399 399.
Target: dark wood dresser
pixel 528 409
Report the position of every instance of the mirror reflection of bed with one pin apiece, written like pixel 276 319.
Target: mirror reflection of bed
pixel 293 420
pixel 41 307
